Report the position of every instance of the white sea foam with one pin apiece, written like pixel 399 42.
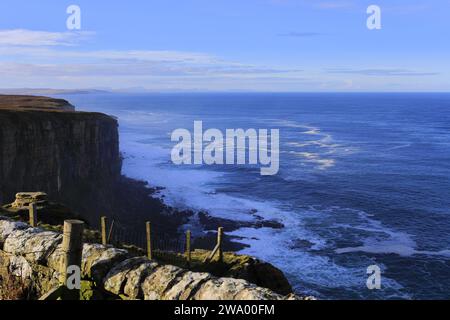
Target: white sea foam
pixel 195 188
pixel 316 152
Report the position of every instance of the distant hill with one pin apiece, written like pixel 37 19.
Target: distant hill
pixel 46 91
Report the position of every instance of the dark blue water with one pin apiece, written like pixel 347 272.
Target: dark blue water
pixel 364 179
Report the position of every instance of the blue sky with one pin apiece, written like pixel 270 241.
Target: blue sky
pixel 226 45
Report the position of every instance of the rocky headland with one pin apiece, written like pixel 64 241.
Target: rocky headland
pixel 74 157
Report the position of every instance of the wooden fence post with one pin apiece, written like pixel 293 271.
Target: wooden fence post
pixel 219 243
pixel 72 248
pixel 103 230
pixel 148 229
pixel 32 209
pixel 111 228
pixel 217 248
pixel 188 247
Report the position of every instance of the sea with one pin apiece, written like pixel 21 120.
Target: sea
pixel 364 181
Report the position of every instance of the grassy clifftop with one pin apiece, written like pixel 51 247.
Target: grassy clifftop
pixel 16 102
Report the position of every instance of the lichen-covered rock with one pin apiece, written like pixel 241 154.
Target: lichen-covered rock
pixel 117 278
pixel 34 244
pixel 293 296
pixel 44 279
pixel 221 289
pixel 135 277
pixel 19 267
pixel 55 259
pixel 257 293
pixel 233 289
pixel 157 283
pixel 7 227
pixel 98 260
pixel 24 199
pixel 248 268
pixel 187 286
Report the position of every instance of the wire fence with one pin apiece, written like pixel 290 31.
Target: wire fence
pixel 165 246
pixel 155 240
pixel 149 239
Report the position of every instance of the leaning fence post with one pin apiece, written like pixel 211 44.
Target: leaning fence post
pixel 188 246
pixel 219 243
pixel 217 248
pixel 72 249
pixel 111 228
pixel 32 209
pixel 103 227
pixel 149 240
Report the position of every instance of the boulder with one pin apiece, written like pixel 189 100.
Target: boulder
pixel 55 259
pixel 157 283
pixel 248 268
pixel 24 199
pixel 99 259
pixel 126 276
pixel 186 286
pixel 7 227
pixel 221 289
pixel 257 293
pixel 19 267
pixel 135 277
pixel 34 244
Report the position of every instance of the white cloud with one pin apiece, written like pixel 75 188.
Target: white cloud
pixel 31 38
pixel 47 59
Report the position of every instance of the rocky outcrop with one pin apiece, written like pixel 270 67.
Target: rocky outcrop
pixel 32 253
pixel 244 267
pixel 24 199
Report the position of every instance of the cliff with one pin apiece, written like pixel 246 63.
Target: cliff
pixel 47 146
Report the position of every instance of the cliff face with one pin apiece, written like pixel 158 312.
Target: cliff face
pixel 44 146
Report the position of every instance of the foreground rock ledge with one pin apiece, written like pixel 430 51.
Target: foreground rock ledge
pixel 34 253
